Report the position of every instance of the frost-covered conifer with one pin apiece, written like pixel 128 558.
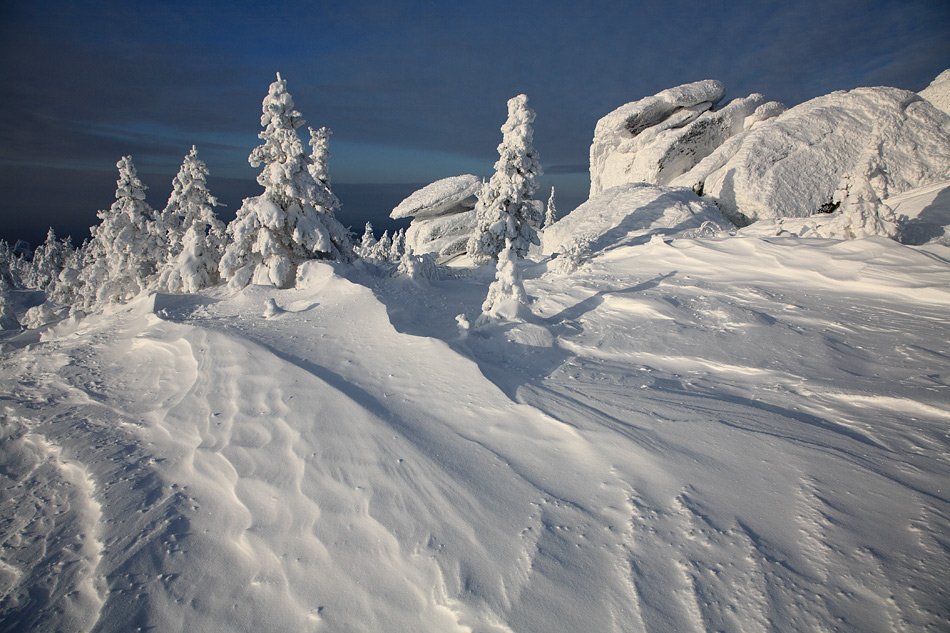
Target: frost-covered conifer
pixel 506 299
pixel 67 288
pixel 550 214
pixel 368 241
pixel 504 209
pixel 380 250
pixel 290 222
pixel 48 260
pixel 8 320
pixel 194 237
pixel 398 247
pixel 320 166
pixel 123 254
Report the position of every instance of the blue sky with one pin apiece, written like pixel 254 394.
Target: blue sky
pixel 413 91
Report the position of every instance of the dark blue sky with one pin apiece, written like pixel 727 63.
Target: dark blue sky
pixel 414 91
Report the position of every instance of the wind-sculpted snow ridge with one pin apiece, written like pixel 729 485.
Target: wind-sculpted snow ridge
pixel 727 433
pixel 629 214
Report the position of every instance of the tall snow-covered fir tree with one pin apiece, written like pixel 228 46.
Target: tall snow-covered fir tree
pixel 320 166
pixel 192 234
pixel 124 252
pixel 505 209
pixel 550 214
pixel 290 222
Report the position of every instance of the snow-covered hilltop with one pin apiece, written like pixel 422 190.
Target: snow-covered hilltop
pixel 652 421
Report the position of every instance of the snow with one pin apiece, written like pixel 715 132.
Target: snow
pixel 629 214
pixel 938 92
pixel 730 433
pixel 845 148
pixel 449 195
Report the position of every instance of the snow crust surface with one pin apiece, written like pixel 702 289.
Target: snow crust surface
pixel 732 433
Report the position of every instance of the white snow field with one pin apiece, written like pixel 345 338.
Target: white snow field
pixel 720 434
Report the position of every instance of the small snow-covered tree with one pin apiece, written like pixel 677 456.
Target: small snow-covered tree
pixel 290 222
pixel 550 214
pixel 506 299
pixel 48 260
pixel 66 290
pixel 320 166
pixel 367 242
pixel 124 253
pixel 504 210
pixel 8 320
pixel 193 236
pixel 398 247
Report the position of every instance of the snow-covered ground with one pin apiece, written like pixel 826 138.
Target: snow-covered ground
pixel 733 433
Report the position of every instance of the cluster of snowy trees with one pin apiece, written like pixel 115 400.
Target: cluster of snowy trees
pixel 184 247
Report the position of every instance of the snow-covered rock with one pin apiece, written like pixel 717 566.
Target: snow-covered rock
pixel 445 235
pixel 846 149
pixel 629 214
pixel 938 92
pixel 449 195
pixel 442 215
pixel 658 138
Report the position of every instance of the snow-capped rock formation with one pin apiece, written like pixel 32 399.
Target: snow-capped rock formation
pixel 846 149
pixel 938 92
pixel 658 138
pixel 443 216
pixel 629 214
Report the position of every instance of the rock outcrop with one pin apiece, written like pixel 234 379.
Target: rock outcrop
pixel 443 216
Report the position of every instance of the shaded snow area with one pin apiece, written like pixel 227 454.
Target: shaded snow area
pixel 726 433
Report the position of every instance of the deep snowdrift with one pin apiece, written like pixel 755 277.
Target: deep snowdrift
pixel 727 434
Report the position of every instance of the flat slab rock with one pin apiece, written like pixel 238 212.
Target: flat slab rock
pixel 450 195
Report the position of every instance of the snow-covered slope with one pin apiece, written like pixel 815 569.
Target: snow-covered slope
pixel 629 214
pixel 938 92
pixel 733 434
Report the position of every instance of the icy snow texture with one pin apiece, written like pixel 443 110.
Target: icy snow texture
pixel 505 209
pixel 455 194
pixel 849 149
pixel 628 214
pixel 938 92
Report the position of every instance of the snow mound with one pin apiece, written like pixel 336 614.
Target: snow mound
pixel 938 92
pixel 846 149
pixel 449 195
pixel 628 214
pixel 658 138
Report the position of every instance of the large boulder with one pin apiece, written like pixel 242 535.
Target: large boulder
pixel 443 216
pixel 629 214
pixel 656 139
pixel 456 194
pixel 844 152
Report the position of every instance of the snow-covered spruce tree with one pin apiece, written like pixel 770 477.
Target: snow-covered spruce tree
pixel 506 299
pixel 122 257
pixel 550 214
pixel 320 166
pixel 289 223
pixel 193 236
pixel 48 261
pixel 8 320
pixel 367 243
pixel 504 209
pixel 67 288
